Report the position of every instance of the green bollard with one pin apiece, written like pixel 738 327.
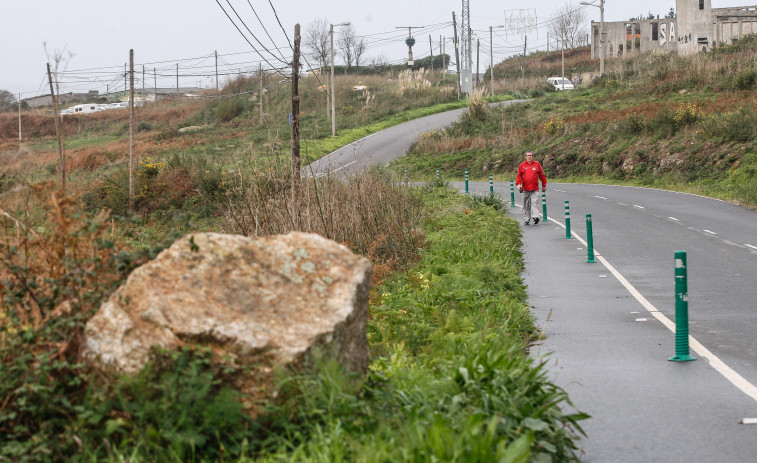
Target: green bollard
pixel 466 181
pixel 512 194
pixel 437 174
pixel 491 185
pixel 589 240
pixel 544 205
pixel 406 178
pixel 682 310
pixel 567 220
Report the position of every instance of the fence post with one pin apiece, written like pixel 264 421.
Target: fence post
pixel 682 310
pixel 567 220
pixel 589 240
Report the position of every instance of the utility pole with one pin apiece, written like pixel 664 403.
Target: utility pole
pixel 466 66
pixel 523 67
pixel 333 97
pixel 216 70
pixel 296 124
pixel 260 70
pixel 19 119
pixel 547 41
pixel 57 130
pixel 155 85
pixel 457 54
pixel 491 54
pixel 563 63
pixel 131 130
pixel 177 77
pixel 478 55
pixel 143 81
pixel 431 47
pixel 442 51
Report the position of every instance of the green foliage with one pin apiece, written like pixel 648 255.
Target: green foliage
pixel 229 108
pixel 180 405
pixel 732 126
pixel 44 304
pixel 450 379
pixel 144 126
pixel 745 79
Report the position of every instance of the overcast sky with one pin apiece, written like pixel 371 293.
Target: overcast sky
pixel 96 35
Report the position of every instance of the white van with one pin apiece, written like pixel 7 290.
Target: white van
pixel 560 83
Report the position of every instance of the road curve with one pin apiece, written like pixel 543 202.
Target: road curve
pixel 384 146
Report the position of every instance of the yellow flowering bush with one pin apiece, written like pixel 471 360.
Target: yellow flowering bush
pixel 553 126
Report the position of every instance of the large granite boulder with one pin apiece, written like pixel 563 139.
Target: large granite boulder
pixel 268 302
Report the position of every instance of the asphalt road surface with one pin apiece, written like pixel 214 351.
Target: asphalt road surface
pixel 609 326
pixel 382 147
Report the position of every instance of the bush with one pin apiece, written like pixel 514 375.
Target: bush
pixel 228 109
pixel 733 126
pixel 745 80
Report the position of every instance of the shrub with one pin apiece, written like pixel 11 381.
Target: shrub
pixel 632 124
pixel 745 79
pixel 51 282
pixel 228 109
pixel 144 126
pixel 734 126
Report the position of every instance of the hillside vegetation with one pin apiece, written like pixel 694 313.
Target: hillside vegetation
pixel 449 329
pixel 686 123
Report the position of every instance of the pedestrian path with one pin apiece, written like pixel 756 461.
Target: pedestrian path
pixel 610 355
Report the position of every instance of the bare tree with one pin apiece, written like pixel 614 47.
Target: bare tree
pixel 318 42
pixel 6 100
pixel 359 50
pixel 346 43
pixel 568 24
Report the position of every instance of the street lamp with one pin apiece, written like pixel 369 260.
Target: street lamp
pixel 491 54
pixel 333 104
pixel 601 7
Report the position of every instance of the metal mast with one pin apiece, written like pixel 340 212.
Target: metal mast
pixel 466 56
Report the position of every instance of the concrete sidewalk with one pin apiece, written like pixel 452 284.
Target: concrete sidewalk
pixel 610 355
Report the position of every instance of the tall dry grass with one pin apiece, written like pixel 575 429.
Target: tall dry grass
pixel 369 213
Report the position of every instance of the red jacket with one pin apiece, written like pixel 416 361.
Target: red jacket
pixel 529 175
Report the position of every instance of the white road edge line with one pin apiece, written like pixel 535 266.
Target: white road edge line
pixel 727 372
pixel 638 207
pixel 709 231
pixel 673 218
pixel 750 246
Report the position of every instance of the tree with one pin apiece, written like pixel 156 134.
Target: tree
pixel 6 100
pixel 318 42
pixel 351 47
pixel 568 24
pixel 671 14
pixel 359 50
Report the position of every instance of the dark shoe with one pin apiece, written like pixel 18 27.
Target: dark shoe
pixel 536 220
pixel 526 222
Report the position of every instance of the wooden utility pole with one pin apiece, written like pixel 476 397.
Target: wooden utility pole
pixel 19 119
pixel 478 55
pixel 216 70
pixel 56 115
pixel 296 125
pixel 131 129
pixel 457 55
pixel 523 67
pixel 431 47
pixel 260 70
pixel 155 85
pixel 442 51
pixel 177 77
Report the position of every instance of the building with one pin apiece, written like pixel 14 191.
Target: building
pixel 697 27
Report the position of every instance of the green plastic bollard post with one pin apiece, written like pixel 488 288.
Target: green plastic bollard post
pixel 491 185
pixel 682 310
pixel 437 174
pixel 567 220
pixel 512 194
pixel 589 240
pixel 544 205
pixel 466 181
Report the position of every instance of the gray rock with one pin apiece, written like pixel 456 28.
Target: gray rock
pixel 267 302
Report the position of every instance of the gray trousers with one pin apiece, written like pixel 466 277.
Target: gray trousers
pixel 531 200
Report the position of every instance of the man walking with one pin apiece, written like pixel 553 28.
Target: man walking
pixel 529 174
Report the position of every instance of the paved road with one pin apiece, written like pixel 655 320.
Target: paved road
pixel 610 351
pixel 382 147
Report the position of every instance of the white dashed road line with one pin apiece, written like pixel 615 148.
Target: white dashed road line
pixel 750 246
pixel 727 372
pixel 673 218
pixel 709 231
pixel 638 207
